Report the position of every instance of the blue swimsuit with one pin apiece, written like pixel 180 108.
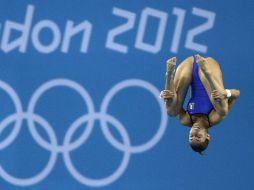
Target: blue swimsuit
pixel 199 102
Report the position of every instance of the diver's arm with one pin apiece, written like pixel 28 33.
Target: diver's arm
pixel 220 102
pixel 234 96
pixel 214 117
pixel 184 118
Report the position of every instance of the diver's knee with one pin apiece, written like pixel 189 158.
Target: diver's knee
pixel 223 112
pixel 172 113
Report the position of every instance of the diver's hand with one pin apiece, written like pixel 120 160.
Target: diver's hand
pixel 167 95
pixel 219 95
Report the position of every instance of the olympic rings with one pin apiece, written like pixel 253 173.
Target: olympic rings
pixel 68 144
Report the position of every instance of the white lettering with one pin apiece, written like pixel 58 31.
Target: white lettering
pixel 156 47
pixel 180 13
pixel 110 43
pixel 36 36
pixel 71 31
pixel 21 42
pixel 200 29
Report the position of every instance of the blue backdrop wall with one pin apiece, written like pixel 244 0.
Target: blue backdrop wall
pixel 79 94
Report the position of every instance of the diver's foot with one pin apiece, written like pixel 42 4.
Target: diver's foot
pixel 202 63
pixel 171 64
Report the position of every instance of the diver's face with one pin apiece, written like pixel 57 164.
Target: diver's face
pixel 198 134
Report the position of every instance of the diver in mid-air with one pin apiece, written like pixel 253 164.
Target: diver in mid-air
pixel 210 101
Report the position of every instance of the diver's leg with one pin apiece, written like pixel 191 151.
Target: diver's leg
pixel 169 94
pixel 182 80
pixel 169 85
pixel 211 77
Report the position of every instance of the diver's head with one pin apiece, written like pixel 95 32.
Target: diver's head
pixel 199 137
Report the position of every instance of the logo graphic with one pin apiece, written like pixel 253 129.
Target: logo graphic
pixel 68 144
pixel 191 106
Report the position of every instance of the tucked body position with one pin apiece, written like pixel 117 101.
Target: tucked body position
pixel 210 102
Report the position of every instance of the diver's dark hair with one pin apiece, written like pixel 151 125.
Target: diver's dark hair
pixel 200 147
